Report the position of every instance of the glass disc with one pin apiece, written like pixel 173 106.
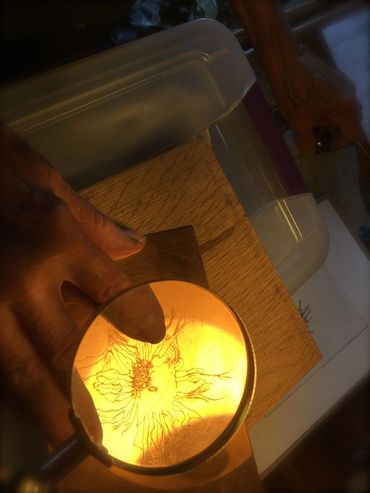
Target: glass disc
pixel 164 406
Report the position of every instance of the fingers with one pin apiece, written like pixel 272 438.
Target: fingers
pixel 47 324
pixel 29 379
pixel 342 128
pixel 138 314
pixel 49 242
pixel 115 241
pixel 78 305
pixel 49 328
pixel 32 167
pixel 97 275
pixel 318 96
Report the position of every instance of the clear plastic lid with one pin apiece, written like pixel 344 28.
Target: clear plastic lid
pixel 294 235
pixel 94 117
pixel 97 116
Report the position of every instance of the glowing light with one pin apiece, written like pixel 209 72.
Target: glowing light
pixel 161 404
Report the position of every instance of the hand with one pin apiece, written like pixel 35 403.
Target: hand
pixel 50 236
pixel 310 94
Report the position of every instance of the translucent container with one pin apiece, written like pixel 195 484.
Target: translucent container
pixel 290 227
pixel 97 116
pixel 294 236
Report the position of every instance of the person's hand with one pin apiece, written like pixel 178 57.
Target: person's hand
pixel 49 237
pixel 309 93
pixel 313 95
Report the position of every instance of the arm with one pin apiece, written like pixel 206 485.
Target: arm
pixel 309 93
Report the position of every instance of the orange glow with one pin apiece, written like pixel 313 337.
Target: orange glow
pixel 161 404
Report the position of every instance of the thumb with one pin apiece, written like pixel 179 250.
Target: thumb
pixel 136 312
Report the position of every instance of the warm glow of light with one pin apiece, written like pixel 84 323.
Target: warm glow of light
pixel 160 404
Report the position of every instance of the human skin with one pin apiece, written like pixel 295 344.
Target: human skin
pixel 309 93
pixel 49 236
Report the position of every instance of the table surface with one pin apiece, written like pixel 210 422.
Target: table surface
pixel 186 186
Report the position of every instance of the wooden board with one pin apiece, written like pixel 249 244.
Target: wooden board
pixel 186 186
pixel 171 254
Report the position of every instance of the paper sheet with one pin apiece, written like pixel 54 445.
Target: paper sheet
pixel 335 302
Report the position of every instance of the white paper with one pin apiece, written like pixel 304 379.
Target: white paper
pixel 336 301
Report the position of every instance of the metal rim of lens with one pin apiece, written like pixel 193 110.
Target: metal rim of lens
pixel 239 416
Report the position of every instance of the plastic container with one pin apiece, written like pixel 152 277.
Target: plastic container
pixel 290 227
pixel 97 116
pixel 294 235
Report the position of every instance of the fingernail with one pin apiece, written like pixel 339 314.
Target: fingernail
pixel 134 235
pixel 153 328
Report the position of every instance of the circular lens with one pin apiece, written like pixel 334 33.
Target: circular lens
pixel 163 407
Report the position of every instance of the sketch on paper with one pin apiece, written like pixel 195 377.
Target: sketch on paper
pixel 146 391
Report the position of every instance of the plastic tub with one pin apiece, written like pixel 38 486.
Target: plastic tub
pixel 290 227
pixel 95 117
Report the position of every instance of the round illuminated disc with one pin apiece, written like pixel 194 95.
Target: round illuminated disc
pixel 165 406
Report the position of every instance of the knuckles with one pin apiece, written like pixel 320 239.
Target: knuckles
pixel 23 372
pixel 62 359
pixel 21 286
pixel 44 228
pixel 114 282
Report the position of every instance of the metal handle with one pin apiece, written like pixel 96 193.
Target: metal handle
pixel 59 463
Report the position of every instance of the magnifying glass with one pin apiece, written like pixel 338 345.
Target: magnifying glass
pixel 157 409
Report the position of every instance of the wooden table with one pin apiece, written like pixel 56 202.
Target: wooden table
pixel 186 186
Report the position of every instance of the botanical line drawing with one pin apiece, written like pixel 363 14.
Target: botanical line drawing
pixel 148 389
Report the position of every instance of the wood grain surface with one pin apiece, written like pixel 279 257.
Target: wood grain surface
pixel 171 254
pixel 186 186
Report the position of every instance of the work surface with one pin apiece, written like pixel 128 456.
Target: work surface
pixel 186 186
